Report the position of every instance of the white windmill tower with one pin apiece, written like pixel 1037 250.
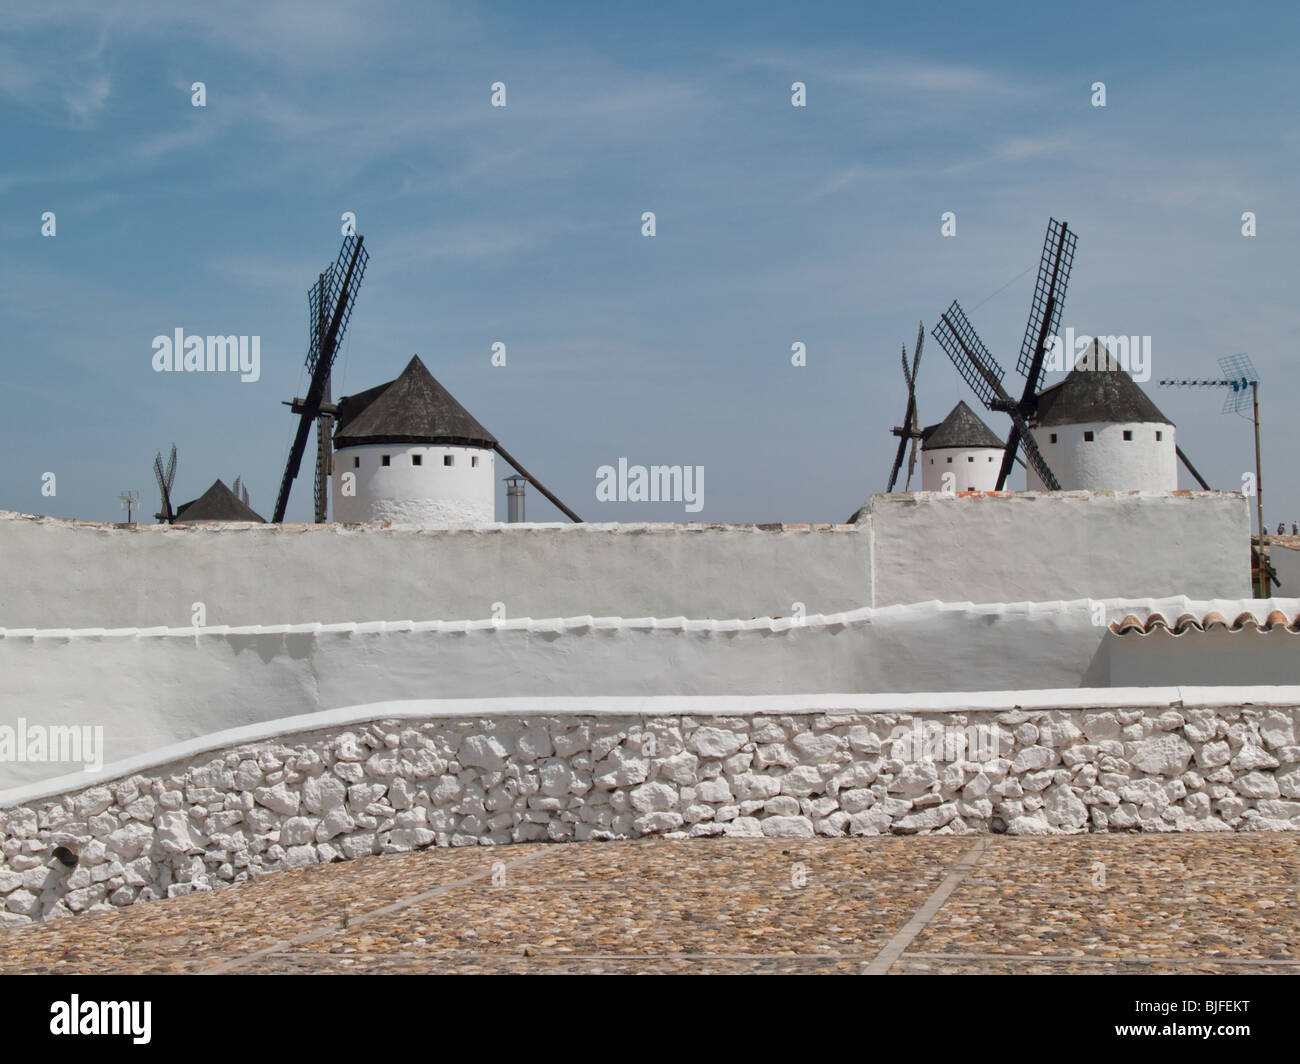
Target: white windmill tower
pixel 1099 431
pixel 961 444
pixel 406 452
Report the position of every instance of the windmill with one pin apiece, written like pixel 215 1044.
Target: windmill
pixel 330 302
pixel 1238 376
pixel 981 370
pixel 166 478
pixel 240 490
pixel 910 429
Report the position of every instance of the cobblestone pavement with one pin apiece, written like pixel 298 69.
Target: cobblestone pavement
pixel 1099 904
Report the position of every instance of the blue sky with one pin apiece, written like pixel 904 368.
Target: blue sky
pixel 522 224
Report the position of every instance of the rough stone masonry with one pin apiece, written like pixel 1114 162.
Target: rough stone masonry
pixel 391 787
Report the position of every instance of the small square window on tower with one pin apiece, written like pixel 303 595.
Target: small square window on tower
pixel 970 458
pixel 1128 434
pixel 1053 437
pixel 1159 435
pixel 356 462
pixel 473 462
pixel 448 459
pixel 1087 436
pixel 417 459
pixel 385 460
pixel 950 461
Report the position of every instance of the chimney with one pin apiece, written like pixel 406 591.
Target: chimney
pixel 514 499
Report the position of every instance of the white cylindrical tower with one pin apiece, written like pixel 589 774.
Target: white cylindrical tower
pixel 407 453
pixel 962 445
pixel 1098 431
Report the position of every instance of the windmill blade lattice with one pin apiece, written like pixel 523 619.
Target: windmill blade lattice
pixel 1049 297
pixel 976 365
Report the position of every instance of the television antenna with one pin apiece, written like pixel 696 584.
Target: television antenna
pixel 129 499
pixel 1242 382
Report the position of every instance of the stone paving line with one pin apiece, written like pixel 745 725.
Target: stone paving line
pixel 899 943
pixel 901 905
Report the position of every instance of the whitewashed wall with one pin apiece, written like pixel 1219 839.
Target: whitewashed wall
pixel 149 690
pixel 1287 564
pixel 411 777
pixel 908 548
pixel 58 574
pixel 1032 547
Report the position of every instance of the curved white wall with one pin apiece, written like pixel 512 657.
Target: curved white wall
pixel 1109 462
pixel 403 493
pixel 976 468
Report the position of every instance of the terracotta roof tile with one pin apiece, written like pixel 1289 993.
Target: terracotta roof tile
pixel 1245 621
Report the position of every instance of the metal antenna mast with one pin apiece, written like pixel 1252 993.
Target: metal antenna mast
pixel 1238 376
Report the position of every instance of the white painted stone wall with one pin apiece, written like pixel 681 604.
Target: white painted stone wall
pixel 1030 547
pixel 1287 564
pixel 60 574
pixel 975 468
pixel 1109 462
pixel 908 548
pixel 175 685
pixel 1143 762
pixel 430 494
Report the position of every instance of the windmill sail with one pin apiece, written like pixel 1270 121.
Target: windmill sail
pixel 338 291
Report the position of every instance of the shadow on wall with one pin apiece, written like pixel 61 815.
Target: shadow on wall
pixel 1201 659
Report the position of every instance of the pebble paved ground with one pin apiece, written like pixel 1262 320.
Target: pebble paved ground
pixel 1072 904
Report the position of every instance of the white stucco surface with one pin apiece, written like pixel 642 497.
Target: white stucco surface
pixel 1108 462
pixel 910 547
pixel 1030 546
pixel 151 689
pixel 1287 564
pixel 975 468
pixel 60 574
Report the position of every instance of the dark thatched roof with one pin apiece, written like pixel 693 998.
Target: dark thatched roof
pixel 218 503
pixel 414 408
pixel 961 428
pixel 1096 390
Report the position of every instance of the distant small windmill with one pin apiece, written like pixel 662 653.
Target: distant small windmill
pixel 240 491
pixel 981 370
pixel 910 428
pixel 166 478
pixel 1239 377
pixel 330 302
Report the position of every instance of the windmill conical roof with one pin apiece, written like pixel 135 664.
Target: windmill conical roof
pixel 1096 390
pixel 961 428
pixel 413 408
pixel 218 503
